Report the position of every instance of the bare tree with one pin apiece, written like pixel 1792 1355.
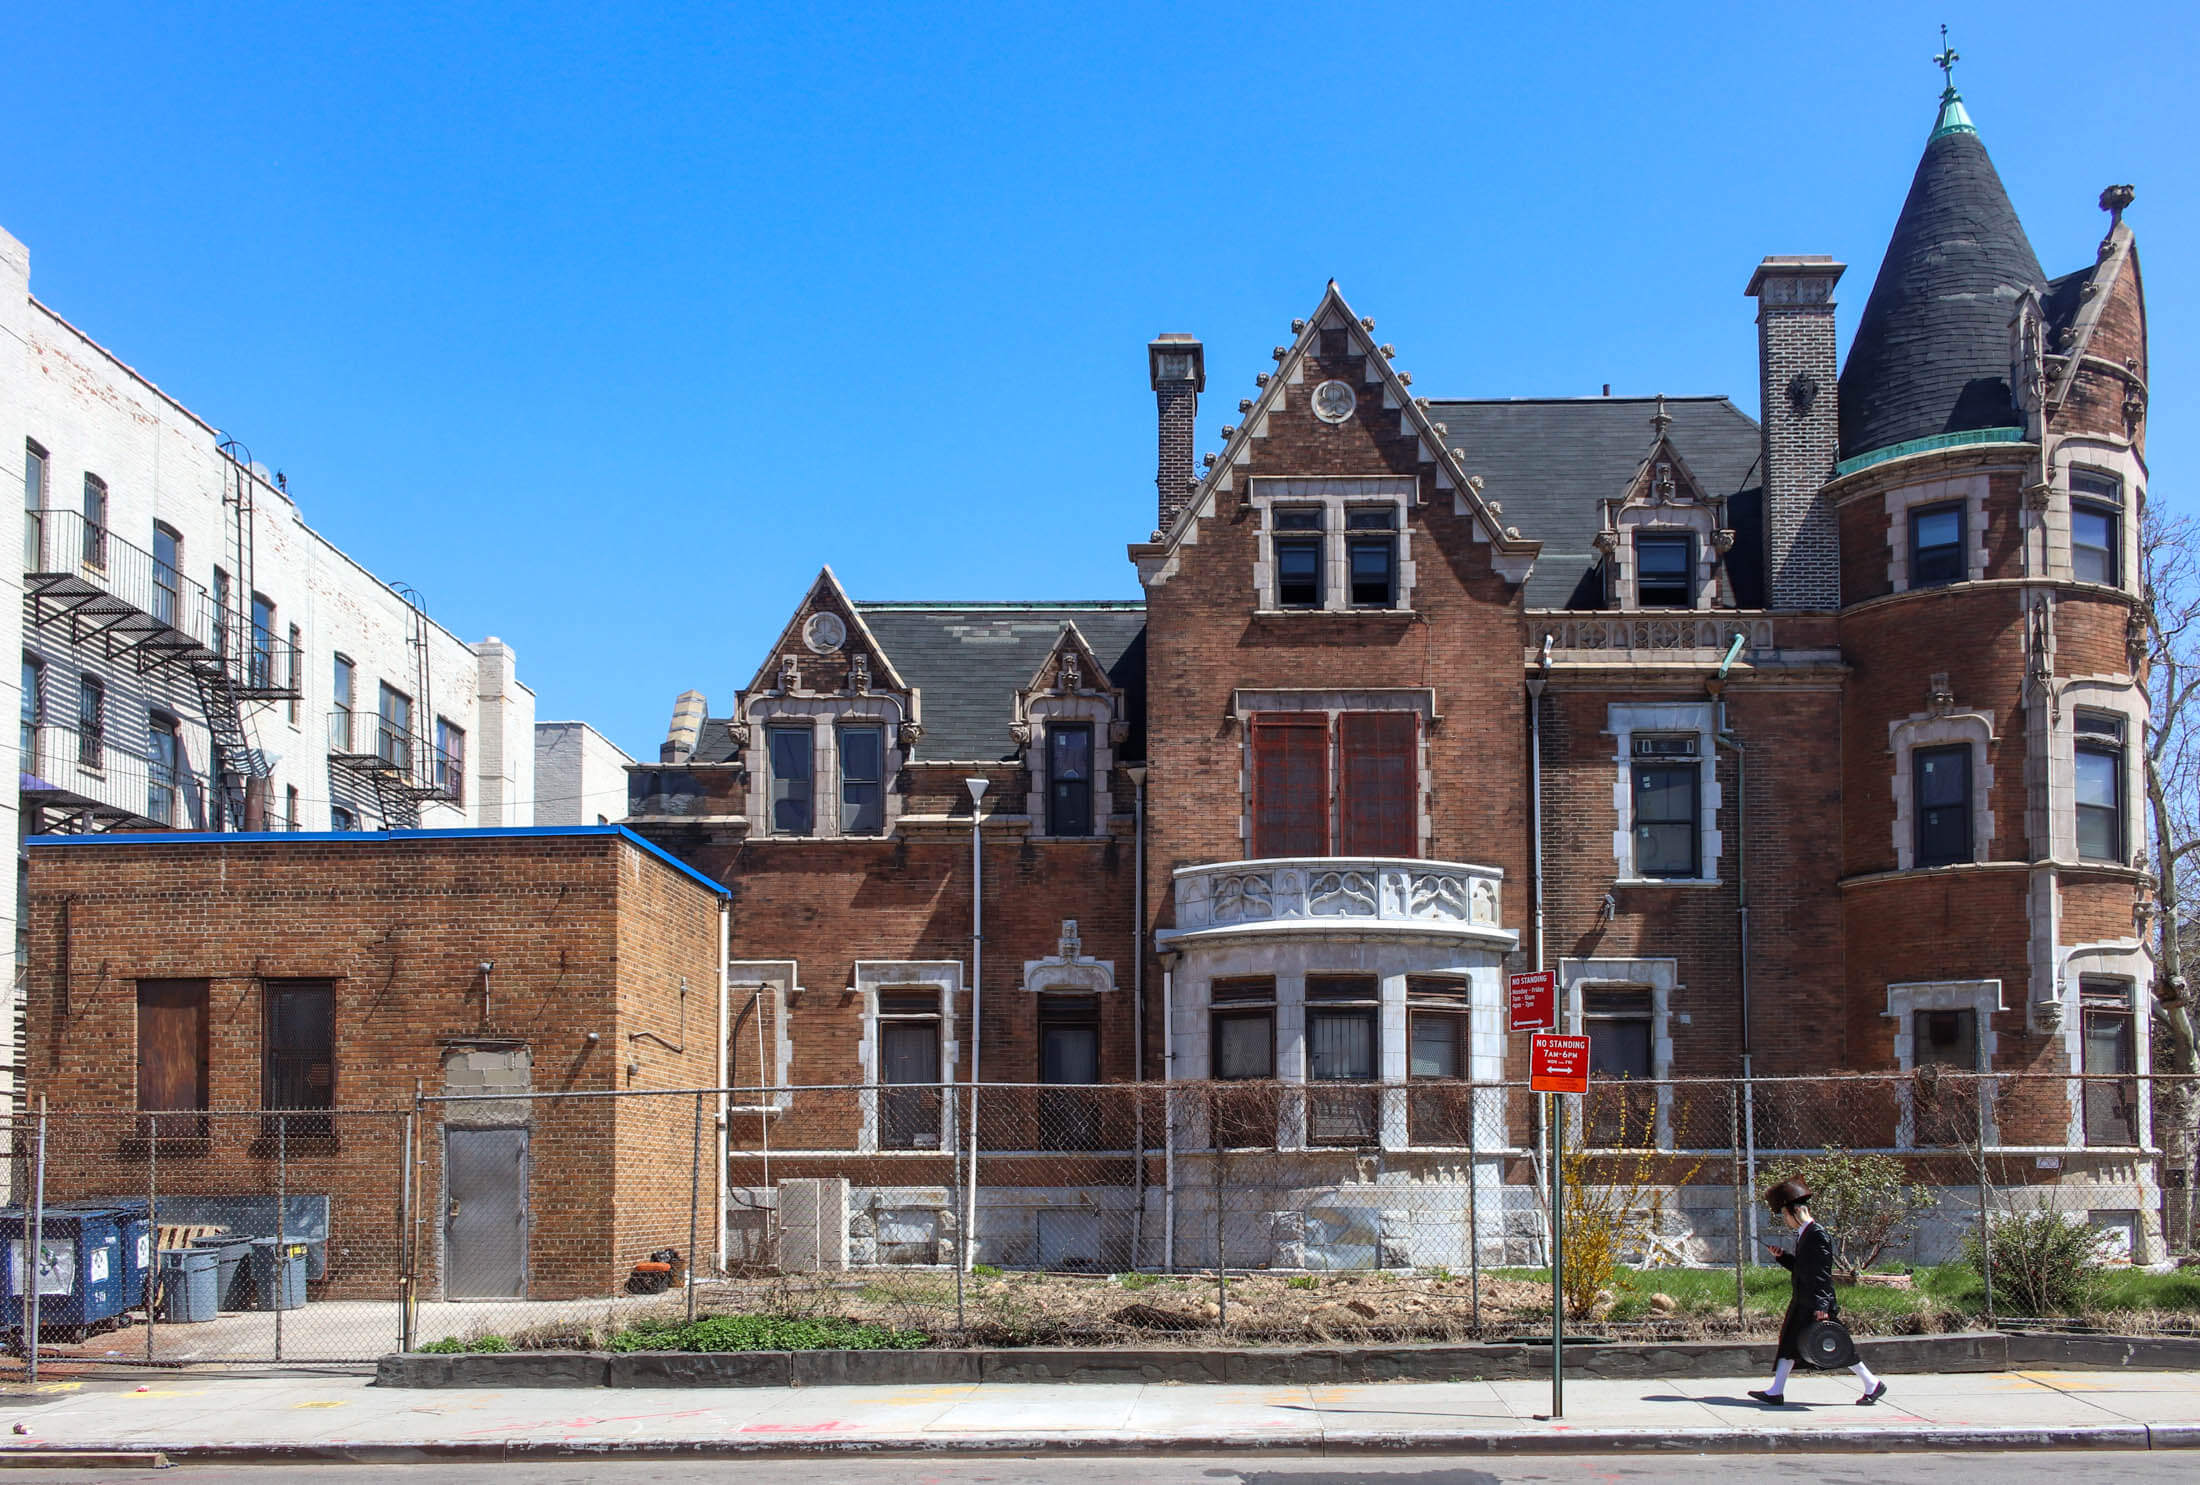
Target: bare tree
pixel 2169 617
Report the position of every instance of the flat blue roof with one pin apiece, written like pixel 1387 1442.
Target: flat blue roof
pixel 369 838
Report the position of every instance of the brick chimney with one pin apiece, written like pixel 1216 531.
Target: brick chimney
pixel 1798 374
pixel 1177 365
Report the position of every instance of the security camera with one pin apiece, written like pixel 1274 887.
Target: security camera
pixel 488 965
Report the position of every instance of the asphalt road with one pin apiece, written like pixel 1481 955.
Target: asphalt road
pixel 1826 1469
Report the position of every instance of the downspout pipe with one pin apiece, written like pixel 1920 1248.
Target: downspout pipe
pixel 725 1035
pixel 1726 739
pixel 1168 1121
pixel 1137 772
pixel 977 789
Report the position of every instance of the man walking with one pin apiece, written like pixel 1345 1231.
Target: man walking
pixel 1811 1297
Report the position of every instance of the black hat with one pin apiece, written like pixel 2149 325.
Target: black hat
pixel 1787 1194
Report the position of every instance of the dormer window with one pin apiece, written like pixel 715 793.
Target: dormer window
pixel 1371 549
pixel 1665 570
pixel 1936 545
pixel 862 764
pixel 789 749
pixel 1069 778
pixel 1298 543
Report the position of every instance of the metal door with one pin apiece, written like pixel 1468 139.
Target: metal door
pixel 484 1213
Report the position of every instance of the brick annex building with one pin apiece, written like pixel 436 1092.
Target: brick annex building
pixel 1798 745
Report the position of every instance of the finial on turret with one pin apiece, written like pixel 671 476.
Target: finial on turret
pixel 1661 419
pixel 1947 59
pixel 1954 117
pixel 2113 201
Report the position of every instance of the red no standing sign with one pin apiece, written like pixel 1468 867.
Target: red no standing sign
pixel 1532 1001
pixel 1559 1064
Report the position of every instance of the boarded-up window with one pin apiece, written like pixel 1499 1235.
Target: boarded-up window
pixel 172 1055
pixel 1290 784
pixel 1379 766
pixel 300 1057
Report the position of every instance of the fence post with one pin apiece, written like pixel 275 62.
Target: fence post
pixel 695 1198
pixel 1985 1226
pixel 1214 1141
pixel 1474 1210
pixel 152 1224
pixel 405 1235
pixel 962 1204
pixel 1734 1179
pixel 37 1240
pixel 282 1242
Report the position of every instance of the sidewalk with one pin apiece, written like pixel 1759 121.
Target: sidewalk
pixel 342 1417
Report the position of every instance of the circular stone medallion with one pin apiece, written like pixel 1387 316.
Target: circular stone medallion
pixel 824 633
pixel 1333 402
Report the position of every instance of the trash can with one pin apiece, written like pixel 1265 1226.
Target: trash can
pixel 78 1266
pixel 189 1285
pixel 278 1282
pixel 133 1223
pixel 233 1280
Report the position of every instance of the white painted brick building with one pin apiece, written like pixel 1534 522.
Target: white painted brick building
pixel 580 775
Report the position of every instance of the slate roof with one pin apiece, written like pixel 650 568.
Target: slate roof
pixel 971 659
pixel 1931 354
pixel 1549 461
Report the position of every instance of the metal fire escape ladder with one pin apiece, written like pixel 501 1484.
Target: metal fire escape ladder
pixel 403 767
pixel 237 758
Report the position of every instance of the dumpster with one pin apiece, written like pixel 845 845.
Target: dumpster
pixel 189 1285
pixel 278 1274
pixel 233 1280
pixel 78 1267
pixel 133 1222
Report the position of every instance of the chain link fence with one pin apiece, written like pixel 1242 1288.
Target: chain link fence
pixel 1251 1212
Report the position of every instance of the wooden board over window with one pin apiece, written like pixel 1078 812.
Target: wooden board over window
pixel 1379 764
pixel 1290 784
pixel 172 1052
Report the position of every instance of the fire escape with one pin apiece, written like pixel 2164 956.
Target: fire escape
pixel 401 767
pixel 137 608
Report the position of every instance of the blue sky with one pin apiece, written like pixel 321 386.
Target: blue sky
pixel 605 327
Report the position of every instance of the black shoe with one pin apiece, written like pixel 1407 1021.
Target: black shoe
pixel 1872 1396
pixel 1775 1400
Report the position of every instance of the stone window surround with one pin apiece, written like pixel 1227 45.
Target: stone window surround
pixel 872 976
pixel 1926 730
pixel 1661 978
pixel 1971 490
pixel 1698 522
pixel 2105 694
pixel 1290 963
pixel 773 984
pixel 1335 494
pixel 1070 969
pixel 2114 959
pixel 1623 721
pixel 824 715
pixel 1981 997
pixel 2094 454
pixel 1247 704
pixel 1047 707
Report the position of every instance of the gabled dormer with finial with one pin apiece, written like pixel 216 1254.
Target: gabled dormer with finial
pixel 1070 720
pixel 1665 539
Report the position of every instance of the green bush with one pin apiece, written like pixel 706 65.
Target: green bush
pixel 984 1271
pixel 766 1333
pixel 1302 1281
pixel 480 1344
pixel 1862 1199
pixel 2043 1263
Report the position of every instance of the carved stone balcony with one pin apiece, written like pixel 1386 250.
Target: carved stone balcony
pixel 1327 896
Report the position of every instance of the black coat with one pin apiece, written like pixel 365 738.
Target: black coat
pixel 1810 1276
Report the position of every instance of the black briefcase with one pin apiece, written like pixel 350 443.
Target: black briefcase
pixel 1827 1345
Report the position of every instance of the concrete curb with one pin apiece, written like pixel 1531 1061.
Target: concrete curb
pixel 1552 1441
pixel 1983 1351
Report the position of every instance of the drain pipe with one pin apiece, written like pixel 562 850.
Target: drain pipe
pixel 725 1067
pixel 1137 772
pixel 977 1003
pixel 1168 1116
pixel 1726 739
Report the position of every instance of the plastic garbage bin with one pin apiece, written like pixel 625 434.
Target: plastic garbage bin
pixel 233 1281
pixel 278 1285
pixel 189 1285
pixel 78 1266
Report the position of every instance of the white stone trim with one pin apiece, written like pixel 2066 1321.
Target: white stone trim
pixel 824 715
pixel 1926 730
pixel 1971 490
pixel 874 975
pixel 1661 978
pixel 1700 523
pixel 773 983
pixel 2113 959
pixel 2118 695
pixel 1335 494
pixel 1071 969
pixel 1623 721
pixel 1048 707
pixel 2093 452
pixel 1980 997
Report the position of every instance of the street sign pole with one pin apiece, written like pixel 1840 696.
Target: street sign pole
pixel 1555 1118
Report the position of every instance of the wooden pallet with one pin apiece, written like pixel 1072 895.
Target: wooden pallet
pixel 184 1234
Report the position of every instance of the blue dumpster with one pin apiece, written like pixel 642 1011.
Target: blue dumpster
pixel 187 1285
pixel 79 1267
pixel 278 1274
pixel 134 1228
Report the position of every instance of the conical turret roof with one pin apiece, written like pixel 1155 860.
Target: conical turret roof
pixel 1931 354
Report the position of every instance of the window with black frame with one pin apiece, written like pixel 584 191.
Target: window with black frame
pixel 1440 1108
pixel 300 1057
pixel 1342 1014
pixel 1242 1049
pixel 1936 545
pixel 1941 786
pixel 95 521
pixel 1069 1066
pixel 2096 526
pixel 788 750
pixel 909 1067
pixel 1945 1037
pixel 1069 778
pixel 1621 1027
pixel 1371 550
pixel 2111 1058
pixel 91 723
pixel 1297 549
pixel 862 779
pixel 2100 785
pixel 1665 570
pixel 1668 777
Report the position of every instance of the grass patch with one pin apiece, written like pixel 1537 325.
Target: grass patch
pixel 1135 1281
pixel 766 1333
pixel 489 1345
pixel 1302 1281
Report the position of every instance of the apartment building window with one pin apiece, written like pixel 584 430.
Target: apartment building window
pixel 789 750
pixel 163 766
pixel 340 818
pixel 1371 551
pixel 1665 571
pixel 91 722
pixel 167 575
pixel 862 780
pixel 909 1066
pixel 95 521
pixel 294 673
pixel 2111 1058
pixel 2100 802
pixel 290 807
pixel 2096 526
pixel 1069 1057
pixel 172 1058
pixel 1621 1027
pixel 1298 556
pixel 1341 1012
pixel 1379 767
pixel 340 687
pixel 1069 778
pixel 394 728
pixel 34 692
pixel 34 504
pixel 1668 781
pixel 1242 1048
pixel 1944 1037
pixel 1437 1031
pixel 221 612
pixel 299 1060
pixel 1936 545
pixel 1942 791
pixel 450 760
pixel 263 642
